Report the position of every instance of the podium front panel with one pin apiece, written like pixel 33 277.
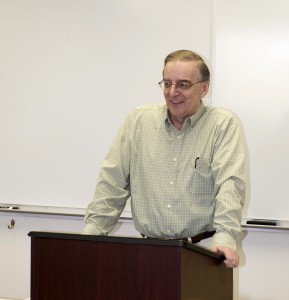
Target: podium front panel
pixel 75 266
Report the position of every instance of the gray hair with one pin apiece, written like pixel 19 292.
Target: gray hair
pixel 187 55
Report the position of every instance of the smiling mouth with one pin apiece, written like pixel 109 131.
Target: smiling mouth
pixel 177 102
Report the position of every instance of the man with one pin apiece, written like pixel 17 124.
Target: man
pixel 181 163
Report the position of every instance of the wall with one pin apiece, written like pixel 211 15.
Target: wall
pixel 251 73
pixel 264 265
pixel 263 272
pixel 46 109
pixel 15 246
pixel 68 83
pixel 70 73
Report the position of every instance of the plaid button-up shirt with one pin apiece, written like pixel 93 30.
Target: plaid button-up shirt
pixel 181 182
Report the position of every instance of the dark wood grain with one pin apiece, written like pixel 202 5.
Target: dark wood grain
pixel 84 269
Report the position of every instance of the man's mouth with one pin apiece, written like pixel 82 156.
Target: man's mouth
pixel 176 102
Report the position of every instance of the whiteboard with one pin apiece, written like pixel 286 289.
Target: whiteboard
pixel 70 73
pixel 251 66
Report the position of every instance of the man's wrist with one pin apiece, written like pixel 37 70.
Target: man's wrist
pixel 224 239
pixel 91 229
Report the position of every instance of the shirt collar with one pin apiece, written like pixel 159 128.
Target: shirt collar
pixel 193 119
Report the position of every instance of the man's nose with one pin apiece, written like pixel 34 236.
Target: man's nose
pixel 173 90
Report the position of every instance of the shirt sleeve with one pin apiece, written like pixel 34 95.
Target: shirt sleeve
pixel 229 174
pixel 112 189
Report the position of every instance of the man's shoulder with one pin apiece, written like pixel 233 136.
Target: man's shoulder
pixel 219 113
pixel 154 107
pixel 146 116
pixel 149 110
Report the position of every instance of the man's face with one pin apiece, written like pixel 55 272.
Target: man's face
pixel 182 104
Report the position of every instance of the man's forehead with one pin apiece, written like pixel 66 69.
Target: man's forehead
pixel 181 69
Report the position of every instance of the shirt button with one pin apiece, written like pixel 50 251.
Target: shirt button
pixel 174 159
pixel 169 206
pixel 171 182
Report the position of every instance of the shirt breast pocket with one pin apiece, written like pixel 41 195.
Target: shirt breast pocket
pixel 202 181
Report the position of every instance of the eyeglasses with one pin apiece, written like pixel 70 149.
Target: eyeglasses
pixel 182 85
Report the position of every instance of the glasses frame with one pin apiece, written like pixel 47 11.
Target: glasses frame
pixel 178 85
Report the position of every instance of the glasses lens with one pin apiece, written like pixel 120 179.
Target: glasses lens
pixel 165 84
pixel 184 85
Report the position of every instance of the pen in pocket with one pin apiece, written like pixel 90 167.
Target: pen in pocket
pixel 196 161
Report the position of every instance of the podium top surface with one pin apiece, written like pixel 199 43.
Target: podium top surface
pixel 127 240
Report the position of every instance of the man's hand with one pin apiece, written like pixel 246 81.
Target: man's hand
pixel 232 258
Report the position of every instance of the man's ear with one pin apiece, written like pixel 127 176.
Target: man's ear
pixel 205 88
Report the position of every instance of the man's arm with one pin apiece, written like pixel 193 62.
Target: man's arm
pixel 112 189
pixel 229 172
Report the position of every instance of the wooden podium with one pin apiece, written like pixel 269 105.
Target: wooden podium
pixel 84 267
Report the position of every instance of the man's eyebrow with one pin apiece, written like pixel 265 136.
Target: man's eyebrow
pixel 179 80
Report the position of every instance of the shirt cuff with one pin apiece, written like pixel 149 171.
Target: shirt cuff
pixel 91 229
pixel 224 239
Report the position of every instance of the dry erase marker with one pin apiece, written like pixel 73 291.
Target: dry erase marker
pixel 262 222
pixel 9 207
